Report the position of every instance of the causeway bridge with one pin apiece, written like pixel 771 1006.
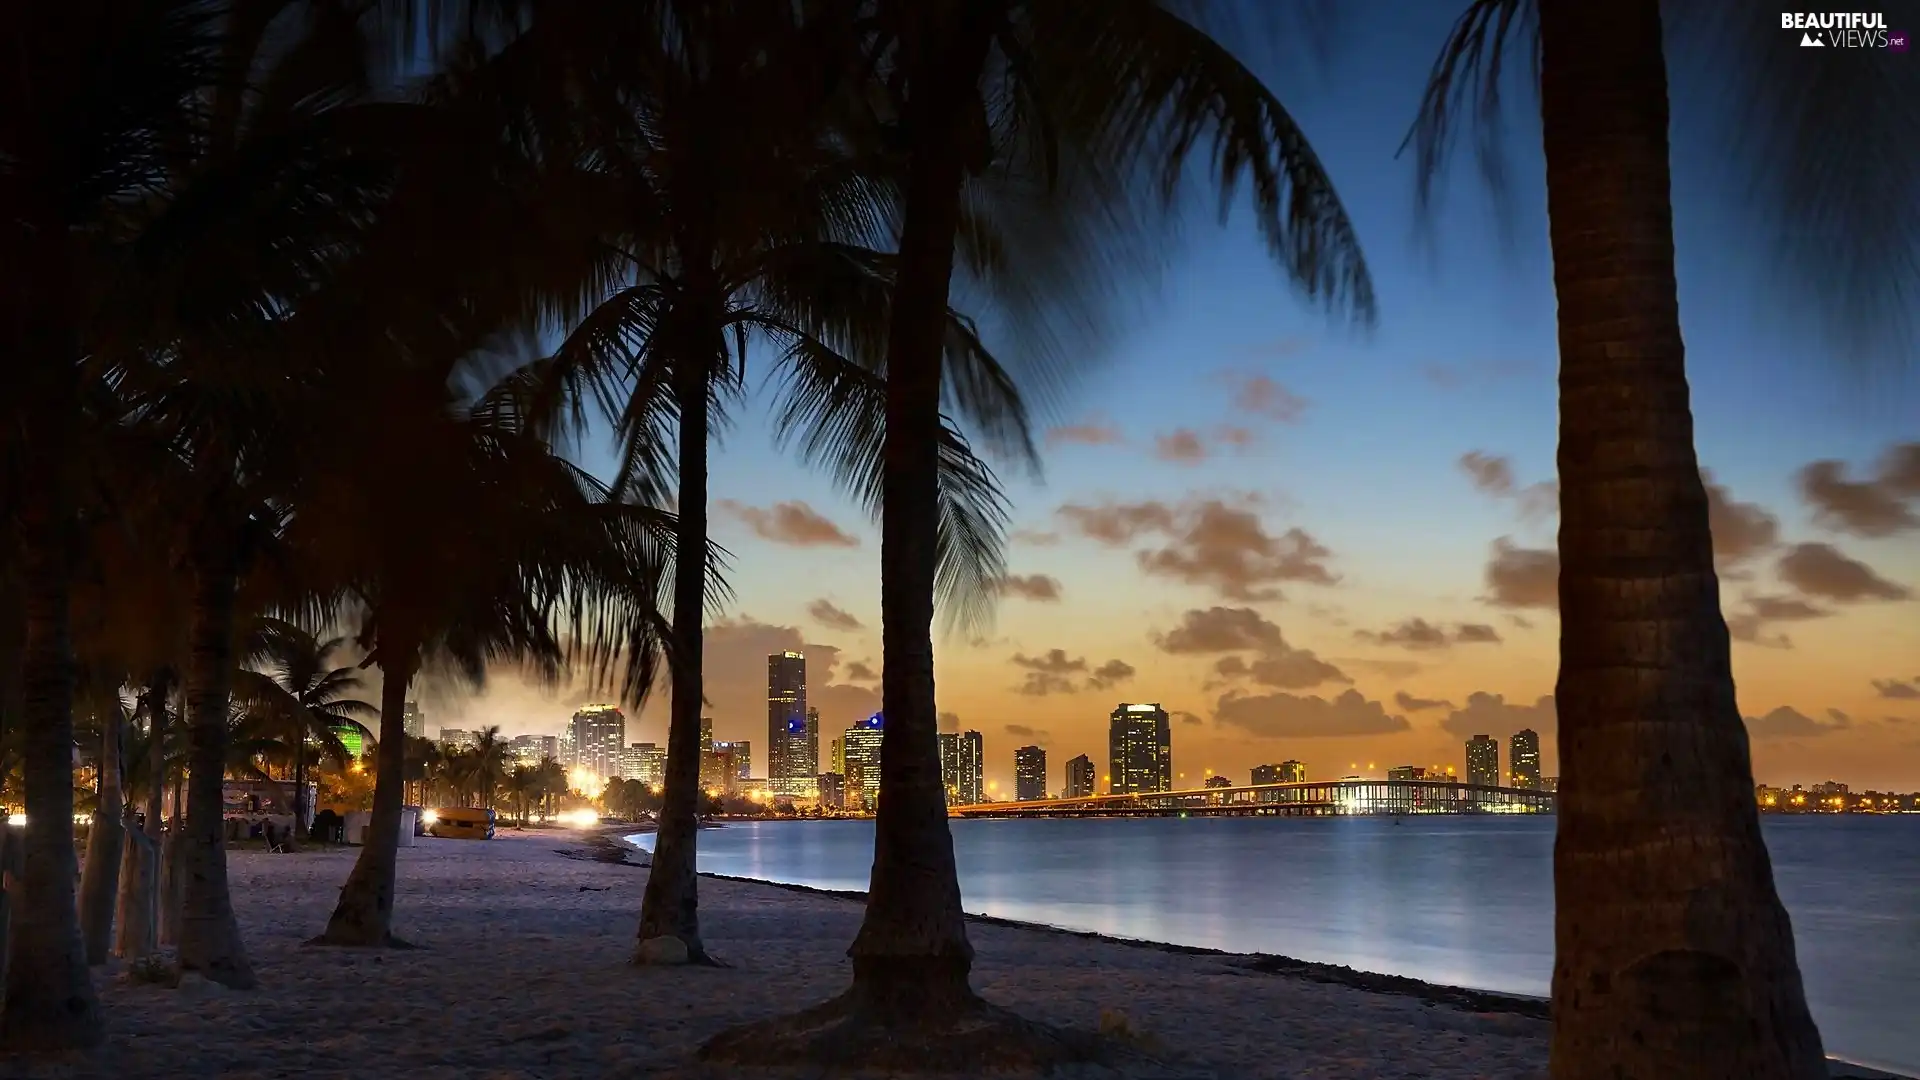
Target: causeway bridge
pixel 1304 799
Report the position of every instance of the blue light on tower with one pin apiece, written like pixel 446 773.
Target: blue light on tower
pixel 872 721
pixel 796 724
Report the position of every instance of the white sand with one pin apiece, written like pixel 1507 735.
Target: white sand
pixel 523 974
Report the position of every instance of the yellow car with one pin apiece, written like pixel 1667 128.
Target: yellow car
pixel 459 822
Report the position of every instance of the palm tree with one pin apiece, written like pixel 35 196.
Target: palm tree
pixel 552 783
pixel 489 764
pixel 977 91
pixel 305 697
pixel 521 785
pixel 1673 953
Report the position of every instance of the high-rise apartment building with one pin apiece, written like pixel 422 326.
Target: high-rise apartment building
pixel 599 736
pixel 950 765
pixel 1407 772
pixel 742 751
pixel 1287 772
pixel 837 757
pixel 725 767
pixel 1483 761
pixel 706 734
pixel 860 746
pixel 793 730
pixel 1079 783
pixel 645 762
pixel 1523 758
pixel 1140 748
pixel 1029 773
pixel 833 791
pixel 415 720
pixel 531 750
pixel 453 738
pixel 973 772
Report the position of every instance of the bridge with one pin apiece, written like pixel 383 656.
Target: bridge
pixel 1304 799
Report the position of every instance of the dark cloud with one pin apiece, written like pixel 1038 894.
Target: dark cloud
pixel 949 721
pixel 1879 506
pixel 1022 731
pixel 1492 474
pixel 1214 545
pixel 1037 587
pixel 1417 633
pixel 1090 433
pixel 827 614
pixel 1261 396
pixel 1294 716
pixel 1819 570
pixel 1741 530
pixel 1790 723
pixel 1409 703
pixel 1392 669
pixel 1054 672
pixel 1492 714
pixel 1281 667
pixel 1219 629
pixel 1752 622
pixel 1110 674
pixel 1187 717
pixel 793 523
pixel 1898 689
pixel 1520 577
pixel 860 671
pixel 1181 446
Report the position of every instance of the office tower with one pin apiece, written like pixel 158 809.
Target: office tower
pixel 1407 772
pixel 453 738
pixel 837 758
pixel 531 750
pixel 972 768
pixel 645 762
pixel 1079 777
pixel 1287 772
pixel 742 751
pixel 833 791
pixel 860 746
pixel 415 720
pixel 706 734
pixel 1523 758
pixel 1218 780
pixel 723 769
pixel 1140 748
pixel 1483 761
pixel 1029 773
pixel 950 765
pixel 599 735
pixel 793 732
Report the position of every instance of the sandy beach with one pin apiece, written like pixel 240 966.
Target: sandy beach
pixel 522 973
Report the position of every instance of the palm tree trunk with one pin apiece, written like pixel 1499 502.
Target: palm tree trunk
pixel 137 921
pixel 100 875
pixel 209 934
pixel 172 872
pixel 364 913
pixel 1673 954
pixel 670 907
pixel 300 786
pixel 49 1003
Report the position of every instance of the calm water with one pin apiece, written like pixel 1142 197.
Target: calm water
pixel 1457 900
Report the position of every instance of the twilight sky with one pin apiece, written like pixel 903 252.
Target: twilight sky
pixel 1312 545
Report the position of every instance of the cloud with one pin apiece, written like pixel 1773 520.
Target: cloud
pixel 1741 530
pixel 1054 672
pixel 1492 474
pixel 1110 674
pixel 1039 736
pixel 949 721
pixel 1282 667
pixel 1790 723
pixel 1409 703
pixel 1089 433
pixel 1752 621
pixel 1492 714
pixel 1392 669
pixel 1181 446
pixel 1036 537
pixel 1187 717
pixel 828 615
pixel 1037 587
pixel 1218 630
pixel 1819 570
pixel 1520 577
pixel 1277 716
pixel 1872 508
pixel 734 659
pixel 1213 545
pixel 1417 633
pixel 792 523
pixel 859 671
pixel 1261 396
pixel 1898 689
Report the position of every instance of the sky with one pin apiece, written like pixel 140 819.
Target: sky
pixel 1313 544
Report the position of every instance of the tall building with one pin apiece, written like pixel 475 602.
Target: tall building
pixel 1523 758
pixel 950 766
pixel 1407 772
pixel 725 767
pixel 599 736
pixel 972 768
pixel 453 738
pixel 1483 761
pixel 645 762
pixel 533 749
pixel 860 746
pixel 837 758
pixel 793 730
pixel 1140 747
pixel 1029 773
pixel 833 791
pixel 742 751
pixel 1287 772
pixel 415 720
pixel 353 737
pixel 1079 777
pixel 706 734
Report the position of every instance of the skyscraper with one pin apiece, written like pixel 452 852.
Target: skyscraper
pixel 532 749
pixel 453 738
pixel 950 765
pixel 645 762
pixel 860 746
pixel 1029 773
pixel 793 734
pixel 972 767
pixel 1523 758
pixel 1140 748
pixel 415 720
pixel 706 734
pixel 599 735
pixel 742 751
pixel 1483 761
pixel 1287 772
pixel 1079 777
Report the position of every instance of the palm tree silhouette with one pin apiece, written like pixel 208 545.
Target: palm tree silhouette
pixel 305 697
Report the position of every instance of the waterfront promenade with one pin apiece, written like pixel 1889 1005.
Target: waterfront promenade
pixel 522 975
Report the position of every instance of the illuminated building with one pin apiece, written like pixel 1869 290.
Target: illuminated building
pixel 1140 749
pixel 950 766
pixel 415 720
pixel 599 735
pixel 453 738
pixel 724 767
pixel 837 758
pixel 1218 781
pixel 1523 758
pixel 1287 772
pixel 833 790
pixel 645 762
pixel 860 746
pixel 1550 783
pixel 972 768
pixel 793 731
pixel 353 737
pixel 1079 777
pixel 531 750
pixel 706 734
pixel 1029 773
pixel 742 751
pixel 1483 761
